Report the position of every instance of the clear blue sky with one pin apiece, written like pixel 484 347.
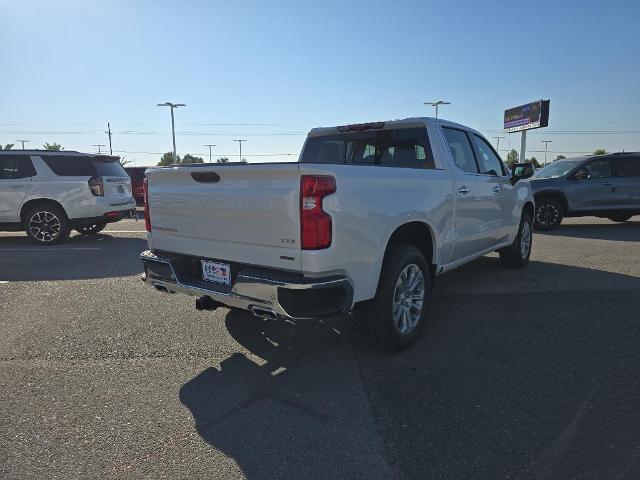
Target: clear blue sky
pixel 281 68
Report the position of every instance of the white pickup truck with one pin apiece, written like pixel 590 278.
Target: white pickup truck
pixel 364 222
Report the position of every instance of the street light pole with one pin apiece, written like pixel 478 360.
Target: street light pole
pixel 240 143
pixel 436 103
pixel 100 145
pixel 546 144
pixel 210 145
pixel 172 106
pixel 498 143
pixel 23 142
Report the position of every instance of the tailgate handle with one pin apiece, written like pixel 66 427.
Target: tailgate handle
pixel 205 177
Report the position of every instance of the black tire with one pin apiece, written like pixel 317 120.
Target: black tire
pixel 619 218
pixel 549 213
pixel 375 318
pixel 518 253
pixel 91 229
pixel 47 224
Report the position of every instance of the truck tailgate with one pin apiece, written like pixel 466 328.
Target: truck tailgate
pixel 239 213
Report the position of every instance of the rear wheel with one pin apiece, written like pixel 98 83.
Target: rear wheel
pixel 47 224
pixel 91 229
pixel 517 254
pixel 619 218
pixel 549 213
pixel 393 319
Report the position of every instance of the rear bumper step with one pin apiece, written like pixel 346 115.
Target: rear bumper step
pixel 265 293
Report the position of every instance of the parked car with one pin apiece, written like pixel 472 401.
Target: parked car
pixel 364 221
pixel 137 176
pixel 605 186
pixel 48 193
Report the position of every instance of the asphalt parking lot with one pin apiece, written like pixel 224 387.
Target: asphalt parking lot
pixel 518 374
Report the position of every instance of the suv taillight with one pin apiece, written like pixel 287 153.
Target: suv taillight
pixel 315 223
pixel 147 218
pixel 96 186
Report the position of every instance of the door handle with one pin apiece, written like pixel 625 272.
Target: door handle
pixel 497 188
pixel 464 190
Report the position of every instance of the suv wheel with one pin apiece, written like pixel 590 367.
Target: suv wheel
pixel 46 224
pixel 91 229
pixel 517 254
pixel 392 320
pixel 549 214
pixel 619 218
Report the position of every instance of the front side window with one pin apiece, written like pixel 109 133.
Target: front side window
pixel 629 167
pixel 595 169
pixel 488 161
pixel 461 150
pixel 405 147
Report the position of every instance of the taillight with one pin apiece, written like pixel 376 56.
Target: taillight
pixel 96 186
pixel 145 192
pixel 315 223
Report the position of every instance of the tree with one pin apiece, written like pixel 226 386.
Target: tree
pixel 560 157
pixel 244 160
pixel 188 158
pixel 56 147
pixel 124 162
pixel 167 159
pixel 535 162
pixel 8 146
pixel 223 160
pixel 600 151
pixel 512 157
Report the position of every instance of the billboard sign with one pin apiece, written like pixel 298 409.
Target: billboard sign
pixel 526 117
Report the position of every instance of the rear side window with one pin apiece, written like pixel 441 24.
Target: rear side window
pixel 16 166
pixel 79 166
pixel 461 149
pixel 408 148
pixel 629 167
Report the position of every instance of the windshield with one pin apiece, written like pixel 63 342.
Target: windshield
pixel 556 169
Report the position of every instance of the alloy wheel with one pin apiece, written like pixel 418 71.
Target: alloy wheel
pixel 44 226
pixel 408 299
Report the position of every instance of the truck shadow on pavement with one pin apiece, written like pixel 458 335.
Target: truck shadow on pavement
pixel 620 232
pixel 509 378
pixel 81 257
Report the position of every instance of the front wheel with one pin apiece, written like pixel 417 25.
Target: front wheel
pixel 517 254
pixel 91 229
pixel 549 214
pixel 393 319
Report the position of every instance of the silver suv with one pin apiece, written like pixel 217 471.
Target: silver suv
pixel 48 193
pixel 605 186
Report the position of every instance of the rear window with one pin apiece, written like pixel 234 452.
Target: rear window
pixel 136 174
pixel 79 166
pixel 408 148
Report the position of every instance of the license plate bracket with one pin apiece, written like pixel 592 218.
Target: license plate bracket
pixel 216 272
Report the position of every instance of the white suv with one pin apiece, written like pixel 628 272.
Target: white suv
pixel 48 193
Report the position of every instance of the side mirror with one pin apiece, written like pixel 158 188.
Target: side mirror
pixel 520 171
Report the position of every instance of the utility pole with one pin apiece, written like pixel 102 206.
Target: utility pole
pixel 498 143
pixel 173 106
pixel 209 145
pixel 436 103
pixel 100 145
pixel 240 143
pixel 108 132
pixel 23 142
pixel 546 143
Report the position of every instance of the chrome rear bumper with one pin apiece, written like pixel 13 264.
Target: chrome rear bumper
pixel 263 292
